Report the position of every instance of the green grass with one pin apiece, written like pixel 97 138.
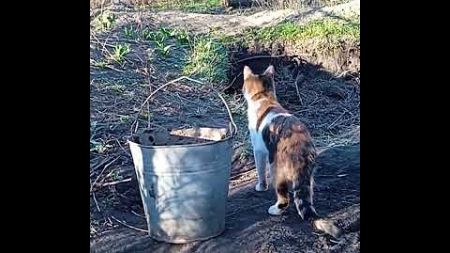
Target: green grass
pixel 329 31
pixel 99 146
pixel 163 34
pixel 130 32
pixel 104 21
pixel 165 39
pixel 206 56
pixel 120 52
pixel 187 5
pixel 296 4
pixel 99 64
pixel 207 59
pixel 119 88
pixel 320 29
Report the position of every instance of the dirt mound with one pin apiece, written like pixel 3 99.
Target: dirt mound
pixel 325 102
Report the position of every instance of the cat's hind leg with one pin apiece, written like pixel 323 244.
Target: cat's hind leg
pixel 303 189
pixel 281 188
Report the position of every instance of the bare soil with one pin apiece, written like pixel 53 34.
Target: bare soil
pixel 249 228
pixel 234 23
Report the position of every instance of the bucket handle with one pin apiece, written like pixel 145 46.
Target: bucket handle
pixel 135 122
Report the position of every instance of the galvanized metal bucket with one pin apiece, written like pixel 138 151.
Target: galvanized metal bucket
pixel 184 188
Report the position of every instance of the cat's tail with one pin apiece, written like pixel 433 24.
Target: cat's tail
pixel 303 199
pixel 307 212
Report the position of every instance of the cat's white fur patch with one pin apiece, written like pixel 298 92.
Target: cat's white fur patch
pixel 274 210
pixel 253 107
pixel 268 119
pixel 255 134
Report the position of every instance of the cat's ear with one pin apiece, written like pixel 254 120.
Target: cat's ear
pixel 247 72
pixel 270 71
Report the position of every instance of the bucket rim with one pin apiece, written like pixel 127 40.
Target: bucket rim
pixel 180 146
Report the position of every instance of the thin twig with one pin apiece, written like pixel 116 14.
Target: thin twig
pixel 232 82
pixel 107 176
pixel 154 92
pixel 95 199
pixel 117 182
pixel 334 122
pixel 129 226
pixel 101 164
pixel 104 168
pixel 296 88
pixel 229 113
pixel 149 123
pixel 171 82
pixel 102 5
pixel 112 68
pixel 96 203
pixel 103 44
pixel 133 212
pixel 305 110
pixel 120 145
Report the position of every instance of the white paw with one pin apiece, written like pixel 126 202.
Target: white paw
pixel 274 210
pixel 260 187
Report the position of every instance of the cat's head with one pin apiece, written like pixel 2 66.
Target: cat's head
pixel 255 84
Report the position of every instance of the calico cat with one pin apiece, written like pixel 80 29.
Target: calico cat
pixel 282 143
